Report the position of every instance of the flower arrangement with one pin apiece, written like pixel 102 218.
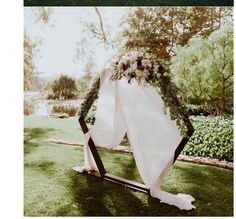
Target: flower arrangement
pixel 140 67
pixel 135 66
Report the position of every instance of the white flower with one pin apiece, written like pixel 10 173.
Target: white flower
pixel 134 66
pixel 125 60
pixel 146 62
pixel 133 58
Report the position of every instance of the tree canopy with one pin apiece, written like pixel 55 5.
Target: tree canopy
pixel 64 88
pixel 29 47
pixel 158 30
pixel 203 69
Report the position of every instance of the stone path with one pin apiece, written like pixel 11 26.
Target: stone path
pixel 127 149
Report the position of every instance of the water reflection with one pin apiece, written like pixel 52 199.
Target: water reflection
pixel 44 107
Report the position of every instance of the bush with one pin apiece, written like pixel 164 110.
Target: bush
pixel 63 89
pixel 68 109
pixel 196 110
pixel 28 108
pixel 213 138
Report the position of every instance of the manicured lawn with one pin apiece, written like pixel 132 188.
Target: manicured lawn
pixel 126 2
pixel 52 188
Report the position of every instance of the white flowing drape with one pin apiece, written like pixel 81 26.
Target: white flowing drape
pixel 153 136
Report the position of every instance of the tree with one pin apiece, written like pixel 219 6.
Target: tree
pixel 64 88
pixel 42 14
pixel 203 69
pixel 159 30
pixel 83 87
pixel 29 47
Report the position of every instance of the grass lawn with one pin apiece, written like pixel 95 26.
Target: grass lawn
pixel 126 2
pixel 52 188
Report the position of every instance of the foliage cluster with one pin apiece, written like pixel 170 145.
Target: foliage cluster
pixel 90 117
pixel 197 110
pixel 213 138
pixel 203 70
pixel 82 87
pixel 29 52
pixel 28 108
pixel 70 110
pixel 64 88
pixel 158 30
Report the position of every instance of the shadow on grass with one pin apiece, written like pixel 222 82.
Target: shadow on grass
pixel 32 137
pixel 44 166
pixel 97 197
pixel 213 189
pixel 124 168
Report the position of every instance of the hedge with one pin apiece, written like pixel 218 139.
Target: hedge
pixel 213 138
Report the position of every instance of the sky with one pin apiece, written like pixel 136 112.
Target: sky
pixel 60 37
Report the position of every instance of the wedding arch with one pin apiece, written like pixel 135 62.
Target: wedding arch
pixel 136 96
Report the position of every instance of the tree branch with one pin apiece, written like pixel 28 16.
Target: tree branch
pixel 101 25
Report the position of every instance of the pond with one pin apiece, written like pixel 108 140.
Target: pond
pixel 43 107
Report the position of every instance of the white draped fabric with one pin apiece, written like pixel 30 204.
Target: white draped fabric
pixel 153 136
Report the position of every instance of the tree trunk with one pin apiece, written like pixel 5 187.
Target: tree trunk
pixel 221 107
pixel 222 100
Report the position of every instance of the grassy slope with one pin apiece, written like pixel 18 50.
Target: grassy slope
pixel 126 2
pixel 52 188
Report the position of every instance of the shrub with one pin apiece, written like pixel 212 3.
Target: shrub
pixel 64 88
pixel 213 138
pixel 68 109
pixel 197 110
pixel 28 108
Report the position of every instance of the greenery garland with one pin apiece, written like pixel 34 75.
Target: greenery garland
pixel 90 97
pixel 169 94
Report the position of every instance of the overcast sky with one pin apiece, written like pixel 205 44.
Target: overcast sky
pixel 60 36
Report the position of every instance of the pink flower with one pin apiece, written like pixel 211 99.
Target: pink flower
pixel 146 72
pixel 146 63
